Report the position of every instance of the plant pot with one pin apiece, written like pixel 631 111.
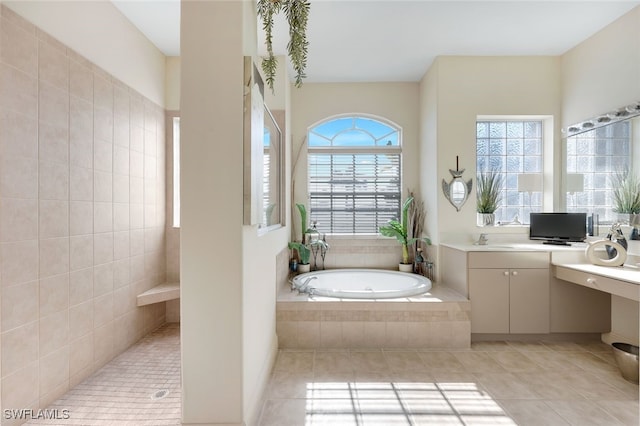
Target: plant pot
pixel 485 219
pixel 304 267
pixel 405 267
pixel 631 219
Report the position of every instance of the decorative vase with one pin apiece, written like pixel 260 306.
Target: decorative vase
pixel 485 219
pixel 405 267
pixel 303 267
pixel 631 219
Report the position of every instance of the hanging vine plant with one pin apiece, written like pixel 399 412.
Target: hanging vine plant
pixel 297 14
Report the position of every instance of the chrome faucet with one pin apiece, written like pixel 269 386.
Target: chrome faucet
pixel 482 241
pixel 304 287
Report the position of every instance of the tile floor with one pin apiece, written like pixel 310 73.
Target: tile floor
pixel 125 391
pixel 494 383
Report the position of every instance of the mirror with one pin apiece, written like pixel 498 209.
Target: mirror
pixel 457 191
pixel 272 177
pixel 592 156
pixel 263 161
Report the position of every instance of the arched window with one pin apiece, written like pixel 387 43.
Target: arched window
pixel 354 174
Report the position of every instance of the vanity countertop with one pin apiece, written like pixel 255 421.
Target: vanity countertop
pixel 468 247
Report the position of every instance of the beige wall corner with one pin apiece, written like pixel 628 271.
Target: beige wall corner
pixel 98 31
pixel 469 87
pixel 603 72
pixel 172 83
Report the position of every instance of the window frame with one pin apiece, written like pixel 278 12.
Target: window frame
pixel 355 150
pixel 175 171
pixel 549 157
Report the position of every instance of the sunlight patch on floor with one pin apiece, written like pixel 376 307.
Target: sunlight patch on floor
pixel 401 403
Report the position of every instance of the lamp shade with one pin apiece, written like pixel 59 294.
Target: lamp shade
pixel 530 182
pixel 575 182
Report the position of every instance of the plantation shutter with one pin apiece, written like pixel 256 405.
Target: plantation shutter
pixel 354 193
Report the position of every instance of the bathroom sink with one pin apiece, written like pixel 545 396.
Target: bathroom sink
pixel 495 246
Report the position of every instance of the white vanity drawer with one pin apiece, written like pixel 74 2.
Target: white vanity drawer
pixel 599 282
pixel 509 259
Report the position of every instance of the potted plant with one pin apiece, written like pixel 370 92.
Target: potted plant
pixel 488 197
pixel 297 14
pixel 304 253
pixel 398 229
pixel 626 197
pixel 303 248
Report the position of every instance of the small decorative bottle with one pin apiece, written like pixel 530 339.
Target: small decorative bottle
pixel 429 273
pixel 419 264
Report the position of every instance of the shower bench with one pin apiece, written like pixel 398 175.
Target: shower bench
pixel 159 293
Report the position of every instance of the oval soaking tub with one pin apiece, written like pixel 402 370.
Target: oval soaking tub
pixel 361 284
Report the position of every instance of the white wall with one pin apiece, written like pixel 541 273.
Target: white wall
pixel 259 340
pixel 429 181
pixel 603 72
pixel 104 36
pixel 468 87
pixel 228 271
pixel 211 265
pixel 259 298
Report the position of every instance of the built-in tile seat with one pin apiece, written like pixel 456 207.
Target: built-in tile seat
pixel 159 293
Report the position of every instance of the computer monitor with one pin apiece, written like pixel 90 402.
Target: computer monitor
pixel 558 228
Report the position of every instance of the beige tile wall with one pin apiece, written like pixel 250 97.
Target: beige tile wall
pixel 374 324
pixel 82 218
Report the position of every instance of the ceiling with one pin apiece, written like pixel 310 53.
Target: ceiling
pixel 394 40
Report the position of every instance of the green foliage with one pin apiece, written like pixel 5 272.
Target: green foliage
pixel 489 191
pixel 304 253
pixel 266 10
pixel 399 230
pixel 626 193
pixel 303 221
pixel 297 14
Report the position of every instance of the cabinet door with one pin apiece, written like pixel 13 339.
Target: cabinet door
pixel 529 301
pixel 489 295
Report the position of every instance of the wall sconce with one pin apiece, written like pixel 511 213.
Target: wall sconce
pixel 575 183
pixel 530 182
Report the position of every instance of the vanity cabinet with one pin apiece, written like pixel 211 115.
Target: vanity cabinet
pixel 532 300
pixel 509 292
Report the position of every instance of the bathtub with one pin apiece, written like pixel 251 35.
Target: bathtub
pixel 361 284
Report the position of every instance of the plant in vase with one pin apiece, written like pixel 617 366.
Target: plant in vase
pixel 304 253
pixel 399 230
pixel 626 200
pixel 303 248
pixel 488 197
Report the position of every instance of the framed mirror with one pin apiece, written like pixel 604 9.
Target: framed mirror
pixel 263 177
pixel 457 190
pixel 272 178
